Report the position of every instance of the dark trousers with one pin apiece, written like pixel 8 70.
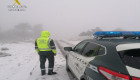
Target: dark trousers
pixel 46 55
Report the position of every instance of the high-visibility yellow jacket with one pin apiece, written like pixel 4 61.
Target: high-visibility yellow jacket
pixel 44 43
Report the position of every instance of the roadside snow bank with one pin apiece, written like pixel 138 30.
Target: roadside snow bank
pixel 17 66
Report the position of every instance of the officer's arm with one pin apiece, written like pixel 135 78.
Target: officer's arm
pixel 53 46
pixel 36 47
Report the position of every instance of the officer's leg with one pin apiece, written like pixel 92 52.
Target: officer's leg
pixel 42 64
pixel 51 64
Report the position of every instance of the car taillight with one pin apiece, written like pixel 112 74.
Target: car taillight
pixel 112 75
pixel 133 78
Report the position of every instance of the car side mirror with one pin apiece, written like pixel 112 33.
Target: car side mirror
pixel 68 48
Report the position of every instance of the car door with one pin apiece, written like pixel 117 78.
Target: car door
pixel 74 55
pixel 88 54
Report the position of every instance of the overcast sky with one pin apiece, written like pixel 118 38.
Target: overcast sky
pixel 69 17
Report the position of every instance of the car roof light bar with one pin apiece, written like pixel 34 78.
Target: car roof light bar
pixel 117 34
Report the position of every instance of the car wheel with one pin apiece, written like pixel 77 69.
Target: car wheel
pixel 67 67
pixel 83 77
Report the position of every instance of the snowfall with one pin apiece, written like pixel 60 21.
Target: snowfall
pixel 19 61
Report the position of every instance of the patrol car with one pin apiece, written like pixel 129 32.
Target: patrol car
pixel 109 56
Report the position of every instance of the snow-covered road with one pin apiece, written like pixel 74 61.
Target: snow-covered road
pixel 24 60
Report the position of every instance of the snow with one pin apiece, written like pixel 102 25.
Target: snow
pixel 23 64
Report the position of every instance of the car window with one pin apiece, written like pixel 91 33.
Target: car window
pixel 79 48
pixel 101 51
pixel 131 57
pixel 91 50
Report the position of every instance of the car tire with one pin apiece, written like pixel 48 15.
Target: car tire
pixel 67 67
pixel 83 77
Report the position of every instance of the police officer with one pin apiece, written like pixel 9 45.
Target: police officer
pixel 46 49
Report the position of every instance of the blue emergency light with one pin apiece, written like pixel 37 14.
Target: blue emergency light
pixel 117 34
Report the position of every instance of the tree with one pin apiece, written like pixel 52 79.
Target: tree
pixel 0 33
pixel 90 32
pixel 118 29
pixel 23 31
pixel 23 27
pixel 37 29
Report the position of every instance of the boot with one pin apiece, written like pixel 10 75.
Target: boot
pixel 43 72
pixel 50 72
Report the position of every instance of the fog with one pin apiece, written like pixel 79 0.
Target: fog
pixel 66 19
